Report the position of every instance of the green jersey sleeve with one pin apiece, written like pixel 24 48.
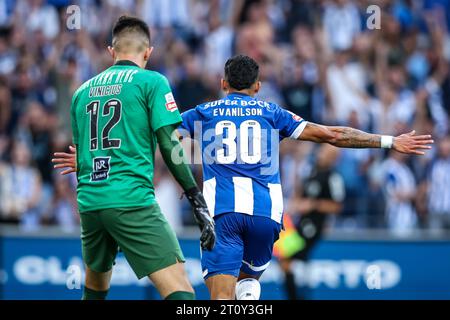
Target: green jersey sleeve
pixel 162 106
pixel 73 120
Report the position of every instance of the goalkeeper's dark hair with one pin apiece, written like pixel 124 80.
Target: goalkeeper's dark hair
pixel 241 72
pixel 126 26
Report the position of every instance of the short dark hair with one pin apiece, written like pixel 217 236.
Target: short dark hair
pixel 241 72
pixel 128 24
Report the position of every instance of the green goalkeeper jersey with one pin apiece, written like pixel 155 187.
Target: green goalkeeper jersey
pixel 114 119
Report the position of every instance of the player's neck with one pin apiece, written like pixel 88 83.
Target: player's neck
pixel 131 58
pixel 247 92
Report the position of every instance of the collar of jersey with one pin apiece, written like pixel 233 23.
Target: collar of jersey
pixel 125 63
pixel 240 94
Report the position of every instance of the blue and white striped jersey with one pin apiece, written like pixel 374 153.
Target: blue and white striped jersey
pixel 239 138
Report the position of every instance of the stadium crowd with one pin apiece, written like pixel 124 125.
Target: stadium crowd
pixel 325 60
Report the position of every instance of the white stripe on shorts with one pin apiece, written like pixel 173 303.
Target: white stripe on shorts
pixel 276 197
pixel 257 269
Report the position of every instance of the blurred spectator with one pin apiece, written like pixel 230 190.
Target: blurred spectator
pixel 165 13
pixel 20 189
pixel 342 23
pixel 352 166
pixel 36 131
pixel 400 188
pixel 38 16
pixel 347 81
pixel 5 12
pixel 218 43
pixel 191 90
pixel 8 56
pixel 64 205
pixel 5 108
pixel 301 76
pixel 64 76
pixel 439 188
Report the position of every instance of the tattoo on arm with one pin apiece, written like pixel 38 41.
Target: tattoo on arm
pixel 346 137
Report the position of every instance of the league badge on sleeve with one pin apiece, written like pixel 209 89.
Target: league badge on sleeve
pixel 171 105
pixel 296 117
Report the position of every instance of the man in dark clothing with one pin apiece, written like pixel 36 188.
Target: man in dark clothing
pixel 320 195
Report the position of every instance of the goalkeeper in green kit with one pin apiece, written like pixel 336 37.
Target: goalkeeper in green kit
pixel 118 118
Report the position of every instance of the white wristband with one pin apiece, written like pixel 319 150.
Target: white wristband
pixel 387 142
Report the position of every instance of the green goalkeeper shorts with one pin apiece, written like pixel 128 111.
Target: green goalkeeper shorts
pixel 143 234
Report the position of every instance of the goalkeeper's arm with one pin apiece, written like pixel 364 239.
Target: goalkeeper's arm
pixel 173 155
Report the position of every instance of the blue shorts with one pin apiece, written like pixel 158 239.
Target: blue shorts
pixel 244 243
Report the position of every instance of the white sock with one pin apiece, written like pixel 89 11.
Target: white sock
pixel 248 289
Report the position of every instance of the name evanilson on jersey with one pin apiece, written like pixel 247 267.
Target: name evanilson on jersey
pixel 237 112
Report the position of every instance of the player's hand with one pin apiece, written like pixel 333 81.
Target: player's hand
pixel 203 219
pixel 206 224
pixel 409 143
pixel 67 161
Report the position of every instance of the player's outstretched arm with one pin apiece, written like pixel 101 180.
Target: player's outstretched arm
pixel 172 153
pixel 346 137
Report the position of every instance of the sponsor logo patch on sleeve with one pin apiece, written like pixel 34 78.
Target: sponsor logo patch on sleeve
pixel 100 168
pixel 171 105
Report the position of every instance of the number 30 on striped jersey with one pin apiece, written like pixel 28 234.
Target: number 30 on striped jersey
pixel 249 138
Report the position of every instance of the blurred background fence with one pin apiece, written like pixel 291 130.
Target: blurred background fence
pixel 357 265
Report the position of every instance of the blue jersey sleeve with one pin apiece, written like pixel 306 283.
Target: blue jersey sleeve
pixel 289 124
pixel 187 126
